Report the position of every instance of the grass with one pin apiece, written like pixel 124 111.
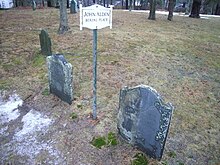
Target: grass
pixel 4 84
pixel 111 139
pixel 172 154
pixel 180 59
pixel 46 92
pixel 101 141
pixel 73 115
pixel 140 159
pixel 39 60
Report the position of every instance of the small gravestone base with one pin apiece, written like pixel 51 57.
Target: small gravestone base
pixel 144 119
pixel 60 77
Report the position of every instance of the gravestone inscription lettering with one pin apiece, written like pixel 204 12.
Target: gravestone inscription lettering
pixel 45 43
pixel 60 77
pixel 144 119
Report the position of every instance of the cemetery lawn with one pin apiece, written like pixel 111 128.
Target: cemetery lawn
pixel 180 59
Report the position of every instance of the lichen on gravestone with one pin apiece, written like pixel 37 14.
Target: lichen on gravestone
pixel 60 77
pixel 45 43
pixel 144 119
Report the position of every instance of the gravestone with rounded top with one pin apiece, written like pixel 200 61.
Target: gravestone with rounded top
pixel 144 119
pixel 45 43
pixel 60 77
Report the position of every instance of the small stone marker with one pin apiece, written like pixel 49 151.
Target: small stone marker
pixel 144 119
pixel 60 77
pixel 73 7
pixel 45 43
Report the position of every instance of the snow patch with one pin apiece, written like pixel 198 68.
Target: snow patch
pixel 9 110
pixel 33 121
pixel 28 136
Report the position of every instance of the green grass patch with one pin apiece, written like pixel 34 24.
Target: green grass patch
pixel 4 84
pixel 112 139
pixel 80 106
pixel 73 115
pixel 46 92
pixel 140 159
pixel 99 142
pixel 164 163
pixel 39 60
pixel 172 154
pixel 7 67
pixel 109 140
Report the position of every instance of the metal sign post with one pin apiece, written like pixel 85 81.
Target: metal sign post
pixel 94 115
pixel 95 17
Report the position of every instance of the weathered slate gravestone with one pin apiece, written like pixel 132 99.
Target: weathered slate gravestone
pixel 45 43
pixel 144 119
pixel 73 7
pixel 60 77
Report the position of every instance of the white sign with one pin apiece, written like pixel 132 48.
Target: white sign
pixel 6 4
pixel 95 17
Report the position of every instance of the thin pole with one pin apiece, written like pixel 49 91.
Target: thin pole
pixel 94 73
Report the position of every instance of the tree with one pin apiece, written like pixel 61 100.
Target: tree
pixel 126 4
pixel 63 18
pixel 195 9
pixel 171 5
pixel 217 11
pixel 152 15
pixel 130 5
pixel 211 6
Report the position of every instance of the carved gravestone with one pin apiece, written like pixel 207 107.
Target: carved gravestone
pixel 60 77
pixel 144 119
pixel 45 43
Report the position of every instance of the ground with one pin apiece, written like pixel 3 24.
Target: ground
pixel 180 59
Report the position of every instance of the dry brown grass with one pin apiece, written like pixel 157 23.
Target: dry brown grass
pixel 180 59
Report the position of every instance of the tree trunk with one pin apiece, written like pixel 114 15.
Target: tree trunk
pixel 130 5
pixel 63 18
pixel 217 11
pixel 134 1
pixel 195 9
pixel 189 7
pixel 152 15
pixel 126 4
pixel 170 9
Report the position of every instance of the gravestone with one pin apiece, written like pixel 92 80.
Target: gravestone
pixel 144 119
pixel 60 77
pixel 73 7
pixel 45 43
pixel 34 5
